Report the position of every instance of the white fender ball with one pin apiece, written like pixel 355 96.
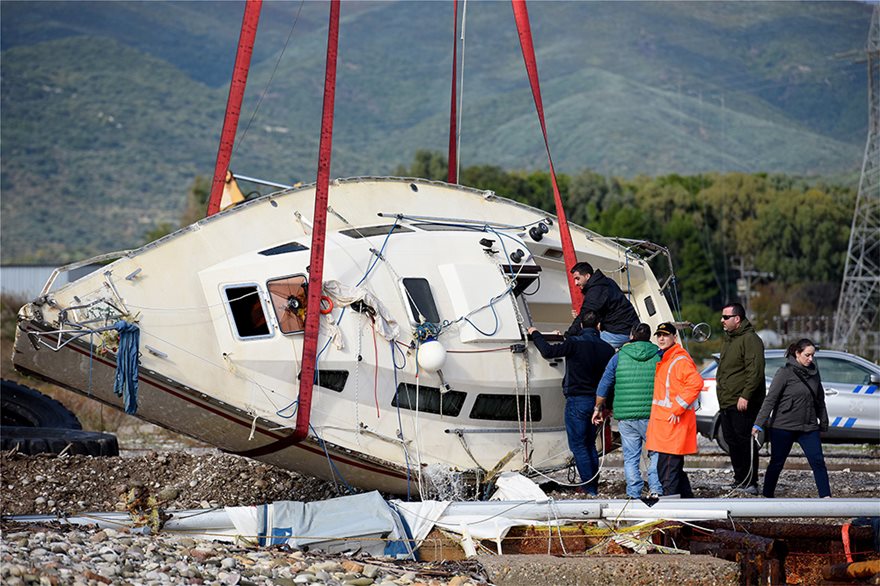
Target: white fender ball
pixel 432 355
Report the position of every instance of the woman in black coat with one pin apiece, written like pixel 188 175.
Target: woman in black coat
pixel 795 411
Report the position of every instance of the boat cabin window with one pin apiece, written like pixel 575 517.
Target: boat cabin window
pixel 331 379
pixel 421 302
pixel 283 249
pixel 289 299
pixel 649 305
pixel 368 231
pixel 246 308
pixel 428 400
pixel 505 408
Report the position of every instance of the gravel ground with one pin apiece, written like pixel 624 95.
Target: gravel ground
pixel 202 478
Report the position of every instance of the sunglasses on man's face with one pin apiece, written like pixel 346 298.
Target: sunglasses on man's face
pixel 728 316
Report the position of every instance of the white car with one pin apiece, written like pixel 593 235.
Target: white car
pixel 852 397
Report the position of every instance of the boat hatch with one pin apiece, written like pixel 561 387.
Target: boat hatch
pixel 428 400
pixel 246 310
pixel 506 407
pixel 422 307
pixel 368 231
pixel 482 296
pixel 289 297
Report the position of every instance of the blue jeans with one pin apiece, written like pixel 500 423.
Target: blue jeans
pixel 616 340
pixel 633 433
pixel 781 441
pixel 582 440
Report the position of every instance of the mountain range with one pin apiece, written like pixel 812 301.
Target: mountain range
pixel 109 110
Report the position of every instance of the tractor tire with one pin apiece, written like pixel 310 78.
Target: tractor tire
pixel 46 440
pixel 21 406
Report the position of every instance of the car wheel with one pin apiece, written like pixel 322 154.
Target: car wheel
pixel 21 406
pixel 47 440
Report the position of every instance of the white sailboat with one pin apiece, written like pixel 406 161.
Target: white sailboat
pixel 220 307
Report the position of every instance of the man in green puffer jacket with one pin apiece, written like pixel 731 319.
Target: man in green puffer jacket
pixel 741 390
pixel 630 373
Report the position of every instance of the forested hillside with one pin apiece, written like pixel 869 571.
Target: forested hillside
pixel 110 109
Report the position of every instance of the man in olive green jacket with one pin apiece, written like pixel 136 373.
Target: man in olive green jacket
pixel 741 389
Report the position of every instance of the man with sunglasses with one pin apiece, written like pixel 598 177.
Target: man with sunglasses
pixel 741 390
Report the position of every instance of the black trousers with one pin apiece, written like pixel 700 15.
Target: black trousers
pixel 736 426
pixel 670 469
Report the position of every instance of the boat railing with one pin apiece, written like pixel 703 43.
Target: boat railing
pixel 81 263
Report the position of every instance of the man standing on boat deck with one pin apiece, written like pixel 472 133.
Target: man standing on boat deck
pixel 604 297
pixel 741 389
pixel 630 373
pixel 672 430
pixel 585 358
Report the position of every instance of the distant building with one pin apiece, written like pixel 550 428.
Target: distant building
pixel 28 280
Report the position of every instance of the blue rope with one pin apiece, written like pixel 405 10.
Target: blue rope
pixel 126 384
pixel 333 467
pixel 379 254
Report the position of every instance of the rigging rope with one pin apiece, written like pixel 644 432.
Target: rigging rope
pixel 521 15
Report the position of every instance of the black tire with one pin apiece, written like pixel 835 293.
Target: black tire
pixel 46 440
pixel 722 443
pixel 21 406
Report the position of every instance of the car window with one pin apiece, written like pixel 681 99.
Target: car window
pixel 842 371
pixel 771 365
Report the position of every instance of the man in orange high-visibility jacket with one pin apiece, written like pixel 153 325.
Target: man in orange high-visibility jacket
pixel 672 428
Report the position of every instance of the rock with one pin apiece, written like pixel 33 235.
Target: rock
pixel 90 575
pixel 98 537
pixel 359 581
pixel 201 554
pixel 459 581
pixel 168 494
pixel 353 567
pixel 227 563
pixel 370 571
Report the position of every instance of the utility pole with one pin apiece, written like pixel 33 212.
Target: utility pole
pixel 859 306
pixel 745 282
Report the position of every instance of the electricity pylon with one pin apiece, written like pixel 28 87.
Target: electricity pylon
pixel 856 323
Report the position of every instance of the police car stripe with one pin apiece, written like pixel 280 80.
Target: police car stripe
pixel 836 421
pixel 850 422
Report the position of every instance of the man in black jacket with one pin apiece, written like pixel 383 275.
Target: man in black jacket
pixel 586 356
pixel 602 296
pixel 740 388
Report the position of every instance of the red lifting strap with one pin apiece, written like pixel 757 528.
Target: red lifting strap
pixel 233 104
pixel 452 177
pixel 319 229
pixel 316 261
pixel 521 14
